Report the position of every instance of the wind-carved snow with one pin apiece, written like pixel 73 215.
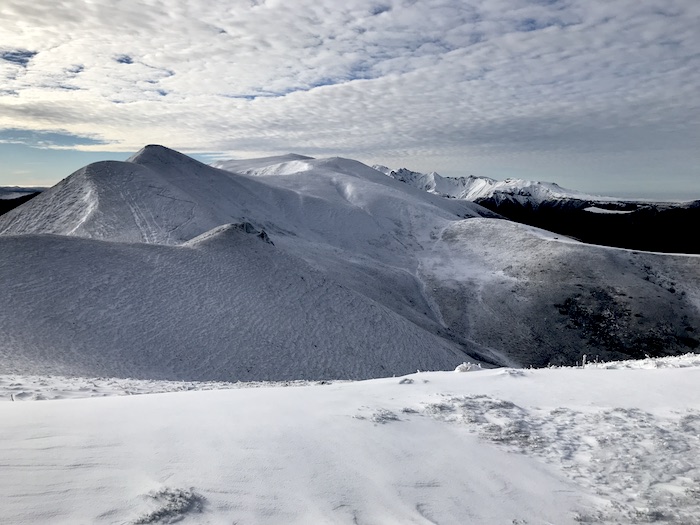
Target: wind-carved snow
pixel 564 446
pixel 252 312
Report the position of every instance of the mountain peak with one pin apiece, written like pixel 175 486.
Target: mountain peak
pixel 155 154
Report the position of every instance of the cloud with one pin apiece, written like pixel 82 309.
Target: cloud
pixel 46 139
pixel 20 57
pixel 447 82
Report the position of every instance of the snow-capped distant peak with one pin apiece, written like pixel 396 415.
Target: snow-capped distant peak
pixel 474 188
pixel 468 188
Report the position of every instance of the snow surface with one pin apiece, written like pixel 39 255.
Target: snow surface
pixel 594 209
pixel 511 446
pixel 228 306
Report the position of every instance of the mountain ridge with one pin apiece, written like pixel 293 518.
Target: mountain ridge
pixel 610 221
pixel 424 281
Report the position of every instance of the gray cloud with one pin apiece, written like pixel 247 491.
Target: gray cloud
pixel 20 57
pixel 451 84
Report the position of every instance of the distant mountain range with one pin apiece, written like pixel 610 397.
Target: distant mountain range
pixel 291 267
pixel 634 224
pixel 13 196
pixel 473 188
pixel 14 192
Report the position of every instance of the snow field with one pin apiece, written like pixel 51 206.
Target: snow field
pixel 549 446
pixel 228 307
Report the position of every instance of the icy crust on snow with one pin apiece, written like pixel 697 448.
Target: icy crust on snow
pixel 564 446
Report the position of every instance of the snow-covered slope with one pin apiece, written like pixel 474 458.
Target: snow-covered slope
pixel 226 306
pixel 507 446
pixel 413 276
pixel 474 188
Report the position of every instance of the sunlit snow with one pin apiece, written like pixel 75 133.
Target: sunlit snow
pixel 564 446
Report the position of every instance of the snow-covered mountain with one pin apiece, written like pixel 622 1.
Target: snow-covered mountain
pixel 160 267
pixel 474 188
pixel 610 221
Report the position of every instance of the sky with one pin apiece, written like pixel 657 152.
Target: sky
pixel 596 95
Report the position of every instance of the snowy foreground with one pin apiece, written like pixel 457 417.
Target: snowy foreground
pixel 613 443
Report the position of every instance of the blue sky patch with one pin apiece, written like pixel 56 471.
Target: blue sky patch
pixel 45 139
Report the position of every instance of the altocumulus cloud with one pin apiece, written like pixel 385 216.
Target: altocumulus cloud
pixel 449 83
